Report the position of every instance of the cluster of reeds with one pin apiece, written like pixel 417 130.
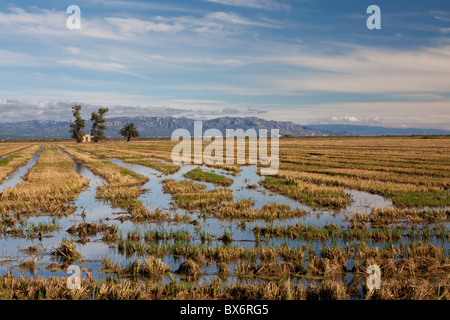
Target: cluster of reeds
pixel 87 229
pixel 332 231
pixel 242 210
pixel 131 248
pixel 111 234
pixel 29 264
pixel 391 215
pixel 272 270
pixel 191 196
pixel 161 234
pixel 119 196
pixel 66 251
pixel 308 193
pixel 55 288
pixel 41 288
pixel 411 289
pixel 164 167
pixel 227 254
pixel 189 268
pixel 152 267
pixel 139 213
pixel 178 187
pixel 12 226
pixel 415 258
pixel 36 231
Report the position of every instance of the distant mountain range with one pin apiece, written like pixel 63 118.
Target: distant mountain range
pixel 153 127
pixel 343 129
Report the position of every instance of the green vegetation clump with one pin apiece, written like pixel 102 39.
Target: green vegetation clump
pixel 5 161
pixel 200 175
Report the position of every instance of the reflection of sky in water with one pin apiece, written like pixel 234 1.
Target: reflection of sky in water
pixel 94 251
pixel 16 177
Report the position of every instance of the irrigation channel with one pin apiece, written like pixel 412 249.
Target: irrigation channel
pixel 13 251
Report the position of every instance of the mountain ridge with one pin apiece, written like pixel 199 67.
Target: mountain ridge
pixel 148 127
pixel 361 130
pixel 162 127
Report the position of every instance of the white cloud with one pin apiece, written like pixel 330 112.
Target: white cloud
pixel 73 50
pixel 259 4
pixel 441 15
pixel 130 26
pixel 368 70
pixel 13 110
pixel 237 19
pixel 198 60
pixel 392 114
pixel 52 24
pixel 94 65
pixel 345 119
pixel 13 59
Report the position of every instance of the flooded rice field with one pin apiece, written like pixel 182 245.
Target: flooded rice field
pixel 205 236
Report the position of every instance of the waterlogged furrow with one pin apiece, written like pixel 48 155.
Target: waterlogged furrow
pixel 48 188
pixel 128 155
pixel 403 195
pixel 13 161
pixel 123 188
pixel 7 149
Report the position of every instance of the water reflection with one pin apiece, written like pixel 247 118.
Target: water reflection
pixel 17 176
pixel 246 185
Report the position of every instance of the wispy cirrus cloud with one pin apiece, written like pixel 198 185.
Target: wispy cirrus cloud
pixel 259 4
pixel 362 69
pixel 94 65
pixel 390 114
pixel 51 23
pixel 234 18
pixel 13 59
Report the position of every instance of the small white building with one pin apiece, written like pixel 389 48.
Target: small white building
pixel 86 138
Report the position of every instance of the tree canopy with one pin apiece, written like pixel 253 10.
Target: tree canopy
pixel 76 128
pixel 129 131
pixel 98 126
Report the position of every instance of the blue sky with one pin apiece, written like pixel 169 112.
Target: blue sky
pixel 306 61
